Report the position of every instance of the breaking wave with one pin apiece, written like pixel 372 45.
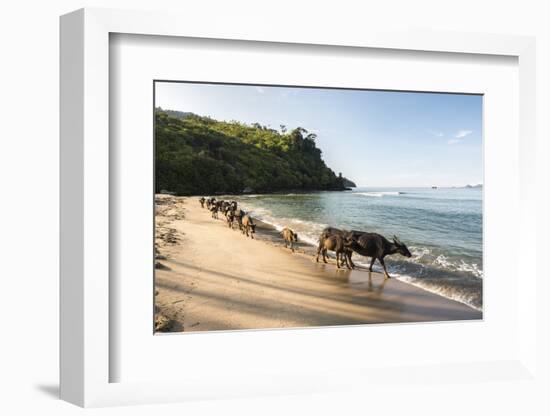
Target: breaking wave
pixel 379 194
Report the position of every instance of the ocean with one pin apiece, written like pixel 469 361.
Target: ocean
pixel 441 227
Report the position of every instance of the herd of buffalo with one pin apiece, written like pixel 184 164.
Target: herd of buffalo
pixel 342 242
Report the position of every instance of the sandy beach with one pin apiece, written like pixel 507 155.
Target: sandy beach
pixel 210 277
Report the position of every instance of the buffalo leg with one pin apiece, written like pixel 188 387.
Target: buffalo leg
pixel 371 263
pixel 325 255
pixel 347 257
pixel 349 263
pixel 343 261
pixel 337 260
pixel 384 267
pixel 349 254
pixel 320 248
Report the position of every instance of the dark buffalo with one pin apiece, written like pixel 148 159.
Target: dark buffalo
pixel 224 204
pixel 227 210
pixel 230 217
pixel 377 246
pixel 210 202
pixel 214 210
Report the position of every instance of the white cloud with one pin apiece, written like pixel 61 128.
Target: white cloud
pixel 462 133
pixel 459 136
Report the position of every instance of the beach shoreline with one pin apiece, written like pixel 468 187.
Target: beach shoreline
pixel 209 277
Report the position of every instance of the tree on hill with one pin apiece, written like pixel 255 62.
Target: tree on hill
pixel 200 155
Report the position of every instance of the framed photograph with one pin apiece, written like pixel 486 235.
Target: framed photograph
pixel 257 202
pixel 217 171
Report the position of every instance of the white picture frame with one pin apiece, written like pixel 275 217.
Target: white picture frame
pixel 85 211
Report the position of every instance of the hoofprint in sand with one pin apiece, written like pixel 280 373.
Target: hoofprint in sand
pixel 210 277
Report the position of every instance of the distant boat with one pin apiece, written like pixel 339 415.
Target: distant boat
pixel 434 187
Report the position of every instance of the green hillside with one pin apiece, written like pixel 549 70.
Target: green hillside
pixel 198 155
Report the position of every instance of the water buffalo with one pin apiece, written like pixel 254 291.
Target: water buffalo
pixel 248 226
pixel 230 217
pixel 346 235
pixel 227 210
pixel 337 244
pixel 223 204
pixel 239 214
pixel 202 201
pixel 377 246
pixel 290 237
pixel 214 211
pixel 210 202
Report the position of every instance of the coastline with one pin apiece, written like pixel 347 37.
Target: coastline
pixel 209 277
pixel 263 192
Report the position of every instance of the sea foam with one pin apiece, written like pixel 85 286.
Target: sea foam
pixel 378 194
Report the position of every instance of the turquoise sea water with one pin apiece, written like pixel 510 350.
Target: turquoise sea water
pixel 442 228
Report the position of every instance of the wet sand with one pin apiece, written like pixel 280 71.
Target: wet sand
pixel 210 277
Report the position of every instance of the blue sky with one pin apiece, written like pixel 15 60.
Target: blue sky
pixel 375 138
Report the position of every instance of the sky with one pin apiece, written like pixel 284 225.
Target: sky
pixel 375 138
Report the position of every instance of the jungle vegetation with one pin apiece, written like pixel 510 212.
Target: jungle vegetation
pixel 196 155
